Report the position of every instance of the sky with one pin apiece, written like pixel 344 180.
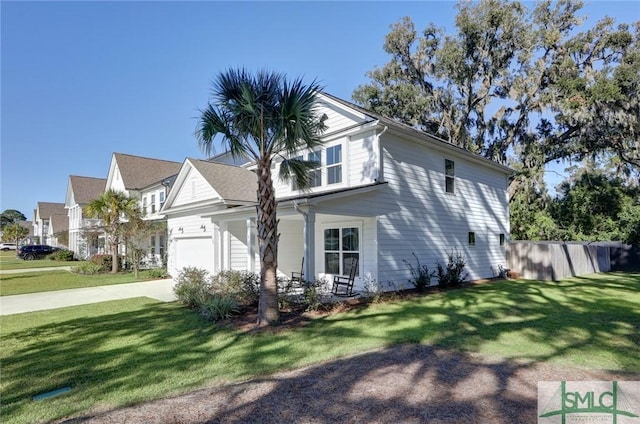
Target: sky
pixel 81 80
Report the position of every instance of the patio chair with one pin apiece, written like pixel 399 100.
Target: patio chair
pixel 343 285
pixel 298 277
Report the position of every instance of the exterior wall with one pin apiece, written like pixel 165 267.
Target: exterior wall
pixel 116 182
pixel 195 188
pixel 425 220
pixel 238 250
pixel 290 246
pixel 183 226
pixel 152 200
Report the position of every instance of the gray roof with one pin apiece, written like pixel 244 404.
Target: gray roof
pixel 139 172
pixel 48 209
pixel 59 223
pixel 86 189
pixel 229 181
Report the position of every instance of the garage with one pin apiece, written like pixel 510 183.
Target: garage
pixel 195 252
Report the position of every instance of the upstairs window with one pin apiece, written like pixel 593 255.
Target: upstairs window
pixel 449 176
pixel 144 206
pixel 315 176
pixel 153 203
pixel 161 199
pixel 334 164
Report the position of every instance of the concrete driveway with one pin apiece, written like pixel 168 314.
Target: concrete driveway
pixel 157 289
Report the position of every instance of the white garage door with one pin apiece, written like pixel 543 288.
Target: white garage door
pixel 197 252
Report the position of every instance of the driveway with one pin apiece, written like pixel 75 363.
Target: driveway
pixel 157 289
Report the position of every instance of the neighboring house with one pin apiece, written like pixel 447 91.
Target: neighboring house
pixel 42 217
pixel 84 234
pixel 147 180
pixel 383 192
pixel 29 239
pixel 58 225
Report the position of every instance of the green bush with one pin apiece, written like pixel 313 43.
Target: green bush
pixel 105 261
pixel 216 307
pixel 87 268
pixel 192 286
pixel 421 276
pixel 453 274
pixel 62 255
pixel 158 273
pixel 312 295
pixel 243 286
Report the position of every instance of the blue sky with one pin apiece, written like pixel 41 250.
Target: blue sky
pixel 81 80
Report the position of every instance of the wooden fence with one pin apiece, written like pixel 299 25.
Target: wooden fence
pixel 553 261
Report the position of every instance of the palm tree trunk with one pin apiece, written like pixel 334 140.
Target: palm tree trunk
pixel 267 228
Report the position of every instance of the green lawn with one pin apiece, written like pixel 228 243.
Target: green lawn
pixel 117 353
pixel 34 282
pixel 8 261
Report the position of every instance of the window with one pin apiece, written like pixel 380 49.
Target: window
pixel 472 238
pixel 334 164
pixel 153 203
pixel 161 199
pixel 315 176
pixel 152 245
pixel 502 239
pixel 294 185
pixel 161 243
pixel 449 176
pixel 340 244
pixel 144 206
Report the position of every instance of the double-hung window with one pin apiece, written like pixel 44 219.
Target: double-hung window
pixel 334 164
pixel 449 176
pixel 144 206
pixel 161 199
pixel 315 176
pixel 153 203
pixel 340 244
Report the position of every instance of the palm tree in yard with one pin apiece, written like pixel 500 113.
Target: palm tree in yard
pixel 260 117
pixel 114 208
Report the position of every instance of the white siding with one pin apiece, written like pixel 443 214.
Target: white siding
pixel 430 222
pixel 194 188
pixel 116 182
pixel 238 250
pixel 290 246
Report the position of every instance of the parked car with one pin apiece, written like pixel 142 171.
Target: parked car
pixel 35 251
pixel 7 246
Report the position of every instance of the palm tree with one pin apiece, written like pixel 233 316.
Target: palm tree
pixel 114 208
pixel 260 117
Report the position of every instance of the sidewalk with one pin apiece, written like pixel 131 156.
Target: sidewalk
pixel 23 270
pixel 157 289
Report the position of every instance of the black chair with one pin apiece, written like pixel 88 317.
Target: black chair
pixel 343 285
pixel 298 277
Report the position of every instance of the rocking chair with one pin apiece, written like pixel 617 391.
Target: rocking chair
pixel 343 285
pixel 298 277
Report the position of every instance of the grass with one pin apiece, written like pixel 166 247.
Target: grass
pixel 35 282
pixel 9 261
pixel 118 353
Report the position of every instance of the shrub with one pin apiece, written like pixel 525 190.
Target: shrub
pixel 216 307
pixel 105 261
pixel 158 273
pixel 420 273
pixel 244 286
pixel 86 268
pixel 453 275
pixel 62 255
pixel 192 286
pixel 312 295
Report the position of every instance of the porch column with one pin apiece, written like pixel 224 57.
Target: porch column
pixel 223 246
pixel 309 235
pixel 251 244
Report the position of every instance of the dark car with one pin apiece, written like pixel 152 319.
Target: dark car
pixel 35 251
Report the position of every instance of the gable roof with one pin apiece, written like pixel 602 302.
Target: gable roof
pixel 86 189
pixel 232 183
pixel 138 172
pixel 47 209
pixel 59 223
pixel 409 130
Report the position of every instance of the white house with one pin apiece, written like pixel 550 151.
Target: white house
pixel 147 180
pixel 383 192
pixel 80 191
pixel 42 218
